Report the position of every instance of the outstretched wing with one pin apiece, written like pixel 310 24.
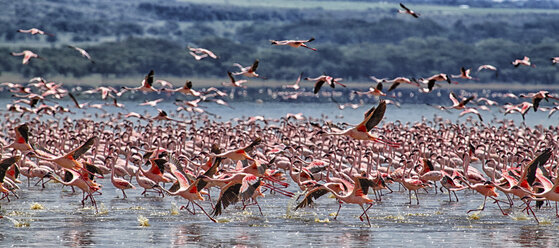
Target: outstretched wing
pixel 83 148
pixel 149 78
pixel 318 85
pixel 74 100
pixel 254 143
pixel 5 164
pixel 254 66
pixel 376 116
pixel 393 86
pixel 530 171
pixel 230 195
pixel 453 98
pixel 465 101
pixel 313 194
pixel 404 7
pixel 22 132
pixel 249 186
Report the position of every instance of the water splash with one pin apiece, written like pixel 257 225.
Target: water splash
pixel 174 209
pixel 143 221
pixel 102 210
pixel 36 206
pixel 519 216
pixel 17 223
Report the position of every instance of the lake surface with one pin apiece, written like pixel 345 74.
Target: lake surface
pixel 435 222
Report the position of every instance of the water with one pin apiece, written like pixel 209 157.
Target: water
pixel 394 222
pixel 63 221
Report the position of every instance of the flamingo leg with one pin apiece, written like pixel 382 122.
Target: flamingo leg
pixel 416 198
pixel 338 212
pixel 455 196
pixel 194 203
pixel 123 193
pixel 365 213
pixel 482 207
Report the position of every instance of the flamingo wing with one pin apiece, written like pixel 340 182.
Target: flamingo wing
pixel 249 186
pixel 5 164
pixel 316 192
pixel 83 148
pixel 229 195
pixel 404 7
pixel 454 99
pixel 376 116
pixel 22 132
pixel 254 66
pixel 148 80
pixel 318 85
pixel 530 172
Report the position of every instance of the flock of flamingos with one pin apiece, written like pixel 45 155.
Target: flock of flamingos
pixel 188 155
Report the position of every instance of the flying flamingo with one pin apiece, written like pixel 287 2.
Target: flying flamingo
pixel 471 111
pixel 488 67
pixel 524 61
pixel 146 85
pixel 400 80
pixel 186 89
pixel 320 80
pixel 464 73
pixel 27 55
pixel 73 178
pixel 293 43
pixel 249 71
pixel 234 83
pixel 408 11
pixel 361 131
pixel 82 52
pixel 69 160
pixel 294 86
pixel 458 104
pixel 200 53
pixel 34 31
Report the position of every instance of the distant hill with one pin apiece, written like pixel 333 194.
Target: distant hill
pixel 355 39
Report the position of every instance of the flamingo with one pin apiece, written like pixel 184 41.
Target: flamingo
pixel 249 71
pixel 294 86
pixel 464 73
pixel 69 160
pixel 361 131
pixel 83 52
pixel 34 31
pixel 458 104
pixel 200 53
pixel 27 56
pixel 240 154
pixel 471 111
pixel 320 80
pixel 119 182
pixel 488 67
pixel 293 43
pixel 400 80
pixel 146 85
pixel 408 11
pixel 188 192
pixel 524 61
pixel 234 83
pixel 186 89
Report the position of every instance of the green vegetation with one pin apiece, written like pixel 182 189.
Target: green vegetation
pixel 353 43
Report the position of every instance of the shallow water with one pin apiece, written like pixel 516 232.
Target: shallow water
pixel 394 222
